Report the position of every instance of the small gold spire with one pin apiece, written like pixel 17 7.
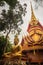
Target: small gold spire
pixel 33 18
pixel 16 39
pixel 32 14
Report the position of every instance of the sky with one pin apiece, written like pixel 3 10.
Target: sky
pixel 38 13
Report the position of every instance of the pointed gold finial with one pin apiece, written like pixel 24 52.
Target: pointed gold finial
pixel 16 39
pixel 32 13
pixel 33 18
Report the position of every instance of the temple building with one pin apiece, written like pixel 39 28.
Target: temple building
pixel 32 44
pixel 30 51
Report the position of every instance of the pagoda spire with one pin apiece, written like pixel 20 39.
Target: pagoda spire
pixel 33 21
pixel 32 13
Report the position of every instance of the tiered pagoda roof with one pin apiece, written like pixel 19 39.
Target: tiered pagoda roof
pixel 35 38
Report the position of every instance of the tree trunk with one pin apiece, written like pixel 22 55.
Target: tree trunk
pixel 6 41
pixel 7 33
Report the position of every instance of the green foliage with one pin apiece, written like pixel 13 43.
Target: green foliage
pixel 13 18
pixel 3 44
pixel 11 3
pixel 9 47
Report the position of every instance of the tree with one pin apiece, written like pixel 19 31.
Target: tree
pixel 3 44
pixel 13 18
pixel 9 47
pixel 11 3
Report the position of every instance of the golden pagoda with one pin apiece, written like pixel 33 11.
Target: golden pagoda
pixel 32 44
pixel 16 49
pixel 15 54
